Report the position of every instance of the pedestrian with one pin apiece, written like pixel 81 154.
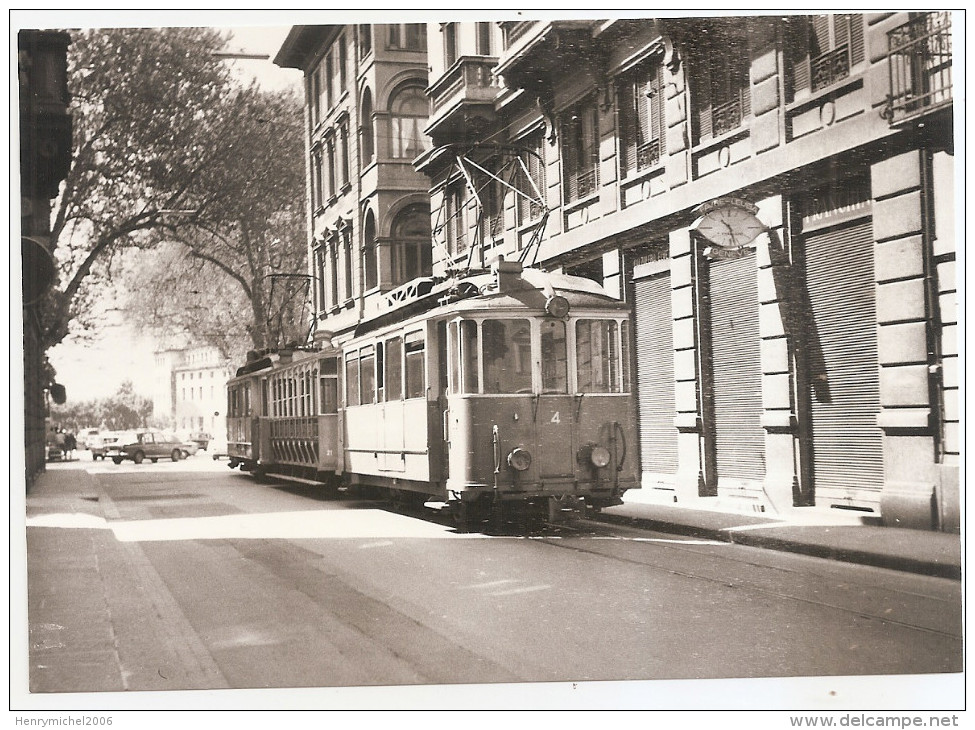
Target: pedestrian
pixel 70 444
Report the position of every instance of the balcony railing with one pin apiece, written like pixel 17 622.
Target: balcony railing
pixel 726 117
pixel 470 78
pixel 919 55
pixel 830 67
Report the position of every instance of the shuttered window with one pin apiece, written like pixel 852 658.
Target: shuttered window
pixel 736 369
pixel 721 89
pixel 641 107
pixel 824 49
pixel 580 150
pixel 655 374
pixel 841 355
pixel 527 209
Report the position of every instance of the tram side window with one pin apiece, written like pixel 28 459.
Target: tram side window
pixel 597 356
pixel 352 378
pixel 507 356
pixel 328 385
pixel 394 369
pixel 555 368
pixel 367 374
pixel 468 354
pixel 415 380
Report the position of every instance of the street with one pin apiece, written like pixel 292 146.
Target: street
pixel 187 575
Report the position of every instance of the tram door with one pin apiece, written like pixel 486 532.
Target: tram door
pixel 554 411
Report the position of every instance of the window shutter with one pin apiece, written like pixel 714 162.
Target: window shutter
pixel 856 39
pixel 628 124
pixel 800 56
pixel 657 108
pixel 704 98
pixel 820 29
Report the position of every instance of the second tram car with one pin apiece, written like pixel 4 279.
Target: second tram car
pixel 501 388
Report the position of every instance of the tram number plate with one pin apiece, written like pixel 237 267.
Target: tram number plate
pixel 555 418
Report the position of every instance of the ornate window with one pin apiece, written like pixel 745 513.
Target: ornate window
pixel 408 36
pixel 533 158
pixel 367 148
pixel 409 112
pixel 449 44
pixel 411 253
pixel 484 39
pixel 455 220
pixel 365 40
pixel 824 49
pixel 347 260
pixel 641 111
pixel 369 263
pixel 721 88
pixel 580 150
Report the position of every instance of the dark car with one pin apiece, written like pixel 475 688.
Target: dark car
pixel 201 439
pixel 152 445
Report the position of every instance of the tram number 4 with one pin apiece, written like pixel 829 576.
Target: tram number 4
pixel 555 418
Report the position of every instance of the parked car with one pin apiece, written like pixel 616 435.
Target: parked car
pixel 189 447
pixel 100 443
pixel 202 439
pixel 87 437
pixel 142 445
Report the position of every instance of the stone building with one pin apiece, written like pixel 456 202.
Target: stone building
pixel 774 196
pixel 45 159
pixel 366 111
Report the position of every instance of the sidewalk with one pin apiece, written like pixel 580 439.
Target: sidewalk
pixel 94 604
pixel 835 536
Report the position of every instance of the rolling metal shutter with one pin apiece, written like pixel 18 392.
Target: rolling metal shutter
pixel 844 368
pixel 655 374
pixel 737 369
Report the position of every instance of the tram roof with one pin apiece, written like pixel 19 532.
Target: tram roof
pixel 521 289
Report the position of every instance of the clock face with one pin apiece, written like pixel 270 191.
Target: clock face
pixel 730 227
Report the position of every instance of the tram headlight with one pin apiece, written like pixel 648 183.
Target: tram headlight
pixel 599 456
pixel 557 306
pixel 519 459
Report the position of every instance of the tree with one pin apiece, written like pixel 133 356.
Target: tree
pixel 146 109
pixel 235 277
pixel 122 411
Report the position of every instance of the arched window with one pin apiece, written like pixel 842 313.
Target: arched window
pixel 409 111
pixel 367 146
pixel 411 249
pixel 369 263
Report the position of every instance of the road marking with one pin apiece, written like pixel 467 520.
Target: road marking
pixel 514 591
pixel 492 584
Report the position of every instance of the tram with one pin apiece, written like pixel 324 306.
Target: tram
pixel 498 389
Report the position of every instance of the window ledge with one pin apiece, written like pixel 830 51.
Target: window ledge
pixel 581 202
pixel 728 137
pixel 831 92
pixel 646 173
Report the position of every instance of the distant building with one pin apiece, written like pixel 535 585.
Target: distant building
pixel 191 395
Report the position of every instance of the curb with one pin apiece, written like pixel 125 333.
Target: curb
pixel 768 542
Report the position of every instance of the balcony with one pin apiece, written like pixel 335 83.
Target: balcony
pixel 463 95
pixel 919 56
pixel 536 53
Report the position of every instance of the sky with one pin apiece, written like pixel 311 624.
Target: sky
pixel 95 369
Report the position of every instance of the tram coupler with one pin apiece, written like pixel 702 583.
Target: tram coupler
pixel 563 506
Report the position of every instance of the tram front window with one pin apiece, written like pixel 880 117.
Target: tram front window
pixel 597 356
pixel 555 373
pixel 507 356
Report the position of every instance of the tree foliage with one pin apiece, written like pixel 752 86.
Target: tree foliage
pixel 235 278
pixel 122 411
pixel 168 148
pixel 144 112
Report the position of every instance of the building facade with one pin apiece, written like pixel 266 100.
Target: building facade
pixel 191 394
pixel 774 196
pixel 368 208
pixel 45 159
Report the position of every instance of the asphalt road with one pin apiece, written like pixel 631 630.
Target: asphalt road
pixel 211 580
